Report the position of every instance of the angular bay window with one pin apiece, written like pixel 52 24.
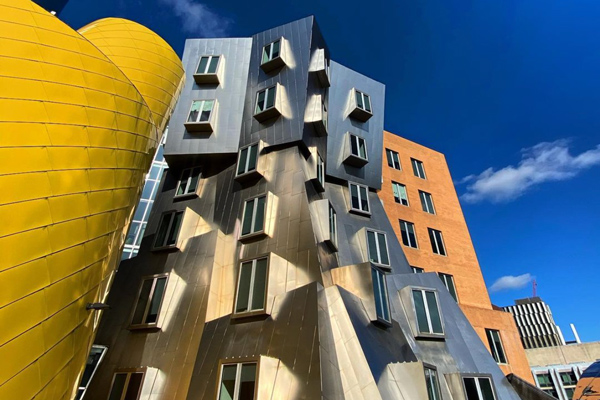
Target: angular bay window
pixel 426 202
pixel 418 168
pixel 407 231
pixel 188 182
pixel 400 195
pixel 359 198
pixel 247 159
pixel 200 116
pixel 168 230
pixel 437 242
pixel 272 56
pixel 149 302
pixel 356 154
pixel 433 387
pixel 496 347
pixel 238 381
pixel 252 286
pixel 206 72
pixel 382 303
pixel 266 104
pixel 361 108
pixel 429 320
pixel 253 220
pixel 448 281
pixel 377 246
pixel 126 385
pixel 479 388
pixel 393 159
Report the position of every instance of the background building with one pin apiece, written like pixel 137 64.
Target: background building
pixel 421 202
pixel 81 114
pixel 535 323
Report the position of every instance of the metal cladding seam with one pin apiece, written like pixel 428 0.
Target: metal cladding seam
pixel 79 124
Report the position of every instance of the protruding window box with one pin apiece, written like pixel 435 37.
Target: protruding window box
pixel 201 116
pixel 251 162
pixel 356 151
pixel 316 169
pixel 328 229
pixel 168 231
pixel 209 70
pixel 319 65
pixel 316 114
pixel 268 103
pixel 361 106
pixel 425 315
pixel 273 56
pixel 257 217
pixel 359 199
pixel 146 313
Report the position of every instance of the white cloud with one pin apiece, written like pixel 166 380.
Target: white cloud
pixel 544 162
pixel 198 19
pixel 510 282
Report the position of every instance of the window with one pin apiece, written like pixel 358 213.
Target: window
pixel 358 147
pixel 433 388
pixel 254 215
pixel 496 347
pixel 418 168
pixel 168 230
pixel 359 199
pixel 271 51
pixel 417 270
pixel 400 194
pixel 448 281
pixel 393 159
pixel 252 286
pixel 363 101
pixel 237 381
pixel 94 359
pixel 188 183
pixel 126 386
pixel 546 383
pixel 333 226
pixel 265 99
pixel 437 243
pixel 247 159
pixel 150 298
pixel 409 237
pixel 200 111
pixel 208 65
pixel 382 304
pixel 320 170
pixel 429 320
pixel 377 245
pixel 426 202
pixel 478 388
pixel 569 382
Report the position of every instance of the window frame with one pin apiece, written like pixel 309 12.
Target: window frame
pixel 493 349
pixel 388 157
pixel 553 387
pixel 82 389
pixel 359 210
pixel 476 377
pixel 263 230
pixel 417 270
pixel 271 58
pixel 363 94
pixel 239 361
pixel 321 168
pixel 383 295
pixel 424 205
pixel 387 250
pixel 145 325
pixel 358 140
pixel 416 244
pixel 210 116
pixel 263 310
pixel 267 91
pixel 435 246
pixel 129 372
pixel 163 245
pixel 333 233
pixel 437 394
pixel 416 171
pixel 210 58
pixel 189 179
pixel 400 198
pixel 444 278
pixel 429 334
pixel 239 157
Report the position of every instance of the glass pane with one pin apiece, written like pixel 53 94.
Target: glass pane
pixel 320 172
pixel 432 239
pixel 362 149
pixel 140 235
pixel 450 286
pixel 414 165
pixel 440 242
pixel 471 389
pixel 154 172
pixel 367 102
pixel 260 102
pixel 174 228
pixel 133 231
pixel 266 54
pixel 275 52
pixel 390 161
pixel 157 297
pixel 90 365
pixel 134 386
pixel 502 357
pixel 247 223
pixel 404 233
pixel 244 287
pixel 486 388
pixel 364 199
pixel 118 386
pixel 227 382
pixel 421 169
pixel 354 197
pixel 253 155
pixel 247 382
pixel 194 181
pixel 395 189
pixel 434 313
pixel 354 145
pixel 260 285
pixel 359 102
pixel 259 221
pixel 396 161
pixel 270 98
pixel 332 225
pixel 242 163
pixel 411 234
pixel 194 111
pixel 377 293
pixel 162 230
pixel 148 189
pixel 212 68
pixel 383 249
pixel 420 309
pixel 183 182
pixel 202 65
pixel 206 110
pixel 140 308
pixel 372 247
pixel 402 193
pixel 140 210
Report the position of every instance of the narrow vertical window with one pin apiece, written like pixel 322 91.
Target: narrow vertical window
pixel 200 111
pixel 429 319
pixel 448 281
pixel 271 51
pixel 126 386
pixel 382 304
pixel 149 302
pixel 94 359
pixel 433 388
pixel 253 220
pixel 417 270
pixel 358 147
pixel 400 195
pixel 496 347
pixel 265 99
pixel 478 388
pixel 247 159
pixel 188 182
pixel 333 226
pixel 237 381
pixel 418 168
pixel 359 199
pixel 320 170
pixel 393 159
pixel 407 231
pixel 252 286
pixel 377 245
pixel 208 65
pixel 168 230
pixel 437 242
pixel 427 202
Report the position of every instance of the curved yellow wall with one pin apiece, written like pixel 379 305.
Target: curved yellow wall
pixel 78 129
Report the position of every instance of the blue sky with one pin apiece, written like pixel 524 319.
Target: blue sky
pixel 508 90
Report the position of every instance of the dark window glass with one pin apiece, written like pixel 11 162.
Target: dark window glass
pixel 364 200
pixel 212 68
pixel 247 380
pixel 471 389
pixel 380 293
pixel 202 65
pixel 275 50
pixel 157 297
pixel 228 376
pixel 354 197
pixel 260 284
pixel 134 386
pixel 485 385
pixel 434 313
pixel 117 388
pixel 248 216
pixel 174 228
pixel 244 287
pixel 420 310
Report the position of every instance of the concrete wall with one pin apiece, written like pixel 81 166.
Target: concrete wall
pixel 568 354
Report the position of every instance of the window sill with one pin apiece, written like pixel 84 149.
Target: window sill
pixel 144 327
pixel 267 114
pixel 331 244
pixel 430 336
pixel 249 314
pixel 382 323
pixel 360 114
pixel 199 127
pixel 383 267
pixel 246 176
pixel 360 212
pixel 185 196
pixel 273 64
pixel 319 187
pixel 165 248
pixel 320 128
pixel 206 78
pixel 356 161
pixel 252 236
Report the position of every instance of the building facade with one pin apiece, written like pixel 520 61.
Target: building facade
pixel 421 202
pixel 535 323
pixel 79 123
pixel 269 268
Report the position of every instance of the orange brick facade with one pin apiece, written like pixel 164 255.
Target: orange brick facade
pixel 461 260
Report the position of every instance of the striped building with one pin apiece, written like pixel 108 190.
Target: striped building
pixel 535 323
